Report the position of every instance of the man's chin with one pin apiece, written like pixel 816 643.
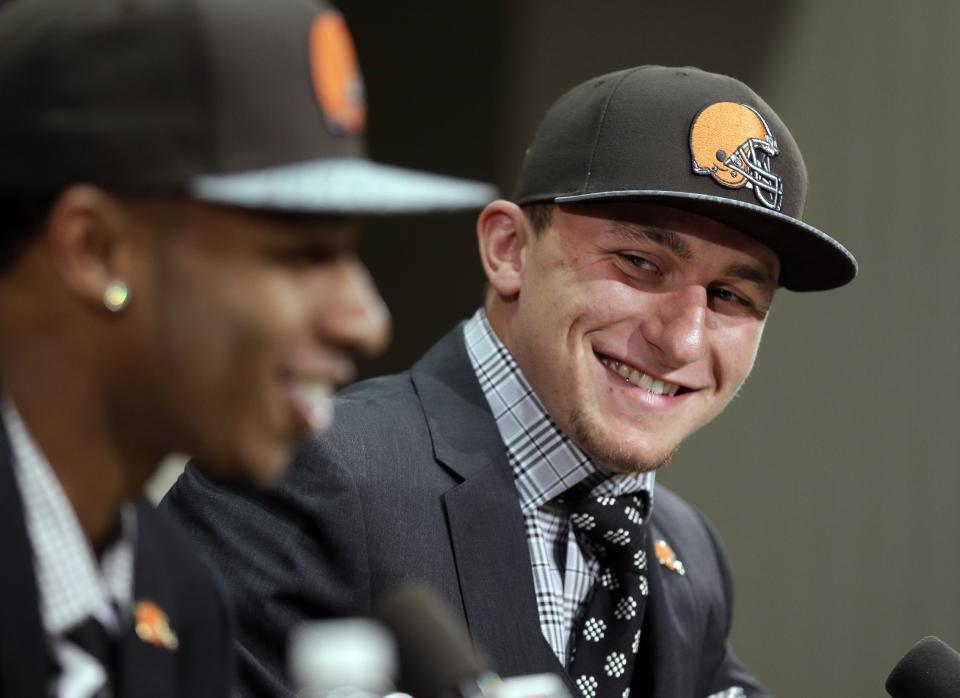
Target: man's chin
pixel 615 455
pixel 631 466
pixel 270 468
pixel 260 467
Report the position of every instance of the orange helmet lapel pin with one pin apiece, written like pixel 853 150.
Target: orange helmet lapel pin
pixel 153 626
pixel 667 558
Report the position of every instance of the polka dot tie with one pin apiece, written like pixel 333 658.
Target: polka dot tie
pixel 605 646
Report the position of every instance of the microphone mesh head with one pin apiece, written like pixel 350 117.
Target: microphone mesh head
pixel 931 669
pixel 435 651
pixel 331 654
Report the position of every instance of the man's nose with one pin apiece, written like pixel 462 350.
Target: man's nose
pixel 353 314
pixel 677 329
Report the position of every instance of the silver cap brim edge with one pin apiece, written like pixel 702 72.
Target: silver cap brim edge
pixel 342 186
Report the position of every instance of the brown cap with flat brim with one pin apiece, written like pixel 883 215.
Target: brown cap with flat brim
pixel 691 140
pixel 250 103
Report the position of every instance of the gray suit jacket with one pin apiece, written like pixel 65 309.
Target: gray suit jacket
pixel 413 484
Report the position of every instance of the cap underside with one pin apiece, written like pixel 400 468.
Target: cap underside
pixel 810 259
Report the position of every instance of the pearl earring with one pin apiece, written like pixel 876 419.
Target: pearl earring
pixel 116 296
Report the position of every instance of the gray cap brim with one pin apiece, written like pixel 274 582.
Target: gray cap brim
pixel 347 186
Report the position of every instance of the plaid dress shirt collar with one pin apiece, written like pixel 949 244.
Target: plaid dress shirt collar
pixel 72 584
pixel 546 463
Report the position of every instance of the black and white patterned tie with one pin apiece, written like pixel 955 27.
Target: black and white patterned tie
pixel 606 644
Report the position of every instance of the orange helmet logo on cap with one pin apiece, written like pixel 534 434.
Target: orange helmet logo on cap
pixel 733 144
pixel 336 74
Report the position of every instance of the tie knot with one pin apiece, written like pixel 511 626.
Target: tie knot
pixel 613 528
pixel 94 639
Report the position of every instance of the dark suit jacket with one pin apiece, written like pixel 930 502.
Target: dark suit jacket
pixel 166 572
pixel 413 484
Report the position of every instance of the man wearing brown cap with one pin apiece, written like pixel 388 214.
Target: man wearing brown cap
pixel 512 468
pixel 177 179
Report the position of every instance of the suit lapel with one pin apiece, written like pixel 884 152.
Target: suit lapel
pixel 486 525
pixel 25 664
pixel 665 667
pixel 147 671
pixel 493 565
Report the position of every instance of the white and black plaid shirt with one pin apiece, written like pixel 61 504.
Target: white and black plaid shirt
pixel 545 464
pixel 72 585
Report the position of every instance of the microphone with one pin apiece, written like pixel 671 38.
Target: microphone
pixel 533 686
pixel 348 658
pixel 434 649
pixel 931 669
pixel 437 659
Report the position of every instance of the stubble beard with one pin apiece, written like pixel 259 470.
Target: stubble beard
pixel 607 456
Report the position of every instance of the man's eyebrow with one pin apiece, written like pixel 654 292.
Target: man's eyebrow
pixel 660 236
pixel 673 242
pixel 766 284
pixel 748 272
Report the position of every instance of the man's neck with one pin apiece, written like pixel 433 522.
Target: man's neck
pixel 499 314
pixel 75 438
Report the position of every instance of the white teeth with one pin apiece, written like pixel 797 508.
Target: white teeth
pixel 319 406
pixel 641 380
pixel 318 391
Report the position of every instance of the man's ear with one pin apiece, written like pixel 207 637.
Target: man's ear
pixel 503 233
pixel 87 240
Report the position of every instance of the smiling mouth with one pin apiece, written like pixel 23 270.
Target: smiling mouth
pixel 312 400
pixel 638 378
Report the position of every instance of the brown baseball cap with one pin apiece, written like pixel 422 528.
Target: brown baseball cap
pixel 687 139
pixel 252 103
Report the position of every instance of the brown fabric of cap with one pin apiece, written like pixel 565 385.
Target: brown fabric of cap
pixel 216 99
pixel 629 135
pixel 92 93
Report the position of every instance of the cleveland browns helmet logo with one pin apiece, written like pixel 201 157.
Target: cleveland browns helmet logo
pixel 733 144
pixel 336 75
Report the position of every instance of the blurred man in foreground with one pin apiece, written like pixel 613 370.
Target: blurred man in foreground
pixel 512 468
pixel 176 274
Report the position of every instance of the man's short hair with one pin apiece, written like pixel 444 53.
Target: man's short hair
pixel 539 215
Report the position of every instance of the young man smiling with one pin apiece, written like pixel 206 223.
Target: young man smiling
pixel 512 468
pixel 636 323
